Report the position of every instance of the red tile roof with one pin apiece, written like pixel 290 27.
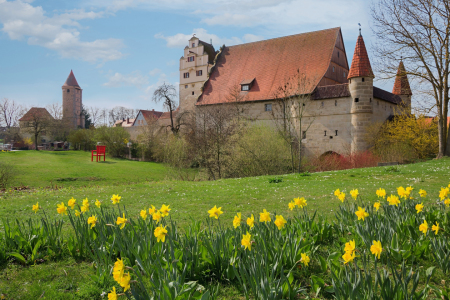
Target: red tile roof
pixel 386 96
pixel 36 112
pixel 360 62
pixel 150 115
pixel 271 63
pixel 331 91
pixel 166 115
pixel 71 80
pixel 401 85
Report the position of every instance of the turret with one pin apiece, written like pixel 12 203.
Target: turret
pixel 360 79
pixel 402 88
pixel 72 102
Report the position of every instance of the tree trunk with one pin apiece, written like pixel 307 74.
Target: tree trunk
pixel 35 142
pixel 441 137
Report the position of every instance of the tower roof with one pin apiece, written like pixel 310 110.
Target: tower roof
pixel 401 85
pixel 71 80
pixel 360 62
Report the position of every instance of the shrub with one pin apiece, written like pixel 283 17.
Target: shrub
pixel 82 139
pixel 7 173
pixel 114 139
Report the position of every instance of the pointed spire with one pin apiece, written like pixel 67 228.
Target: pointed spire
pixel 401 85
pixel 71 80
pixel 360 62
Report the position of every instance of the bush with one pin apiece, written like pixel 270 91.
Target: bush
pixel 7 173
pixel 114 138
pixel 82 139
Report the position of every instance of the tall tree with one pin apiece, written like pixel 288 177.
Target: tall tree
pixel 167 93
pixel 94 114
pixel 417 31
pixel 55 110
pixel 37 121
pixel 10 111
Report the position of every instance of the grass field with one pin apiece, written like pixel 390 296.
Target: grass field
pixel 142 184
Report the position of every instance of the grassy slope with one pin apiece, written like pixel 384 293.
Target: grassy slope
pixel 192 200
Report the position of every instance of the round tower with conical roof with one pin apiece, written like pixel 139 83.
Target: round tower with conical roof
pixel 402 88
pixel 72 102
pixel 360 78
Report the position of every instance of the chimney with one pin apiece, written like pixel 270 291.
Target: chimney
pixel 128 120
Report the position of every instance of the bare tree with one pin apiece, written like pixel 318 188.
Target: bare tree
pixel 95 114
pixel 417 31
pixel 37 121
pixel 10 112
pixel 167 93
pixel 293 115
pixel 55 110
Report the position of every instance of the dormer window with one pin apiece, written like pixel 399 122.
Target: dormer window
pixel 68 90
pixel 246 84
pixel 191 58
pixel 193 45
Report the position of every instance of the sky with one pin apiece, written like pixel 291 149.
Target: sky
pixel 121 50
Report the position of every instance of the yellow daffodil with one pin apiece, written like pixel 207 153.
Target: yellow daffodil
pixel 84 208
pixel 160 233
pixel 246 241
pixel 215 212
pixel 151 210
pixel 377 205
pixel 98 203
pixel 143 214
pixel 350 246
pixel 447 202
pixel 36 207
pixel 264 216
pixel 422 193
pixel 121 221
pixel 112 295
pixel 291 205
pixel 408 190
pixel 401 192
pixel 115 199
pixel 419 207
pixel 86 202
pixel 118 269
pixel 77 213
pixel 280 222
pixel 305 259
pixel 300 202
pixel 251 221
pixel 157 217
pixel 381 193
pixel 62 209
pixel 424 227
pixel 341 197
pixel 237 220
pixel 354 193
pixel 165 210
pixel 348 257
pixel 361 213
pixel 72 203
pixel 443 193
pixel 92 221
pixel 435 228
pixel 393 200
pixel 337 192
pixel 376 248
pixel 124 281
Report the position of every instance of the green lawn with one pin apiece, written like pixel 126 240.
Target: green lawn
pixel 142 184
pixel 74 168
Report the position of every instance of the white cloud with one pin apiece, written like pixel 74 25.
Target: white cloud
pixel 154 72
pixel 60 32
pixel 180 40
pixel 134 79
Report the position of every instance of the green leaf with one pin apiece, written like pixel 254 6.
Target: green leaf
pixel 430 271
pixel 323 264
pixel 19 257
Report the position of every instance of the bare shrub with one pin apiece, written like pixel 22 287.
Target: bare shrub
pixel 333 161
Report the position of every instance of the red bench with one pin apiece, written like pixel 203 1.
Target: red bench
pixel 101 151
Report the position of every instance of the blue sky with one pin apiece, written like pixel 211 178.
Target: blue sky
pixel 121 50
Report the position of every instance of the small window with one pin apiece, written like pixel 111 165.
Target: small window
pixel 325 133
pixel 370 99
pixel 199 72
pixel 268 107
pixel 335 102
pixel 186 86
pixel 323 104
pixel 191 58
pixel 68 90
pixel 192 93
pixel 193 44
pixel 186 75
pixel 363 79
pixel 356 99
pixel 245 87
pixel 304 135
pixel 344 74
pixel 336 132
pixel 333 69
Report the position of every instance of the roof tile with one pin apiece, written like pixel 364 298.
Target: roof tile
pixel 360 62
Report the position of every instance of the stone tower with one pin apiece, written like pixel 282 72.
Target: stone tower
pixel 402 88
pixel 360 79
pixel 194 67
pixel 72 102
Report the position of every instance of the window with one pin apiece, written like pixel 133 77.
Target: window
pixel 344 74
pixel 333 69
pixel 68 90
pixel 192 93
pixel 191 58
pixel 304 104
pixel 356 99
pixel 245 87
pixel 370 99
pixel 335 102
pixel 199 73
pixel 336 132
pixel 186 75
pixel 363 79
pixel 268 107
pixel 193 44
pixel 325 133
pixel 186 86
pixel 323 104
pixel 304 135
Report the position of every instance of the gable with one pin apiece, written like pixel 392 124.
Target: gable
pixel 271 63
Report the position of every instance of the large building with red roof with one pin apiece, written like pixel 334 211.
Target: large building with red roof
pixel 343 102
